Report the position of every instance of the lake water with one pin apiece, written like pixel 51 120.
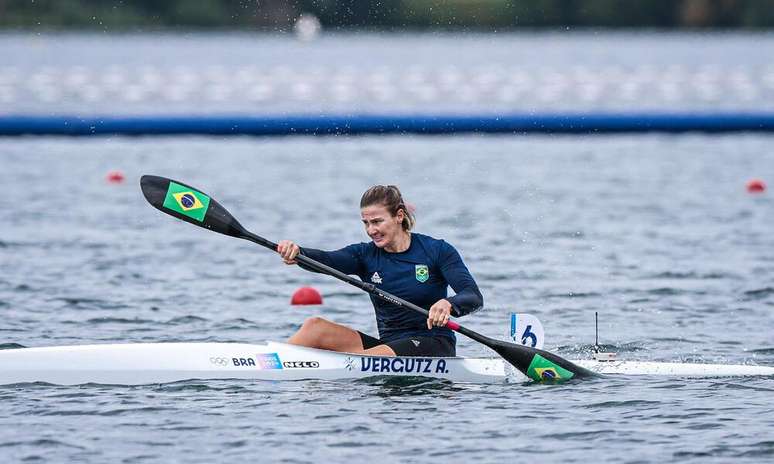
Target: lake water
pixel 378 73
pixel 654 232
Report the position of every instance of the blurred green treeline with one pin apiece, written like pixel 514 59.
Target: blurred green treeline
pixel 132 15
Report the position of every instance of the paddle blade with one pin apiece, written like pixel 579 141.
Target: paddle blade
pixel 539 365
pixel 189 204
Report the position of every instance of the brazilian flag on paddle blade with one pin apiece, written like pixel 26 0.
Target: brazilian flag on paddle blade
pixel 186 201
pixel 542 369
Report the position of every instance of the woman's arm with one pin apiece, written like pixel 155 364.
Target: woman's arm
pixel 468 298
pixel 346 260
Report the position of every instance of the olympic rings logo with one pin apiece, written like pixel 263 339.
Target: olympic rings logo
pixel 218 361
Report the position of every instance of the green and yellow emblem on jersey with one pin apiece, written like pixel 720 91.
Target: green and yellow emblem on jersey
pixel 542 369
pixel 422 272
pixel 186 201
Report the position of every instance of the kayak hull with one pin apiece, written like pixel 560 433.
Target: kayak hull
pixel 155 363
pixel 150 363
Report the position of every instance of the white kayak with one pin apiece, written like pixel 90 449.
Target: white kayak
pixel 154 363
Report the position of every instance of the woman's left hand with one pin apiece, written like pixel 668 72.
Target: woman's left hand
pixel 439 314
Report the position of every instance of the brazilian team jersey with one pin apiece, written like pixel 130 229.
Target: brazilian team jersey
pixel 421 275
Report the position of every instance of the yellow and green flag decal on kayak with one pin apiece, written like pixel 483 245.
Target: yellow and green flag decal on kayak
pixel 186 201
pixel 542 369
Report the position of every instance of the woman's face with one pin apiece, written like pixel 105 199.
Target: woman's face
pixel 381 226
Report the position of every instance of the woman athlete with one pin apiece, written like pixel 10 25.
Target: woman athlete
pixel 412 266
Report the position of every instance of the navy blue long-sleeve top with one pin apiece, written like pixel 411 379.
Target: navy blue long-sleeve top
pixel 421 275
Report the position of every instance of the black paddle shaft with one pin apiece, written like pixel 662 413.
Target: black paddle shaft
pixel 191 205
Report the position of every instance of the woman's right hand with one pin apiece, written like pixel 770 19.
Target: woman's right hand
pixel 288 250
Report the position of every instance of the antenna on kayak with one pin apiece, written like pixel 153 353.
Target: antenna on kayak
pixel 600 355
pixel 596 332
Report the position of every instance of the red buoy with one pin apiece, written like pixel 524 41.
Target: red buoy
pixel 756 186
pixel 115 177
pixel 306 296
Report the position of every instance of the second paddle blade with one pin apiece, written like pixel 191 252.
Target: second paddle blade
pixel 540 365
pixel 189 204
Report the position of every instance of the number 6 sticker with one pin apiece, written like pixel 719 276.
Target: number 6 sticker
pixel 527 330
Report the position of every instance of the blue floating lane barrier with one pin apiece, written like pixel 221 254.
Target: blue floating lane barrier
pixel 569 123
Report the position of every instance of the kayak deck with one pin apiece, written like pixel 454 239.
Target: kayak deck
pixel 152 363
pixel 148 363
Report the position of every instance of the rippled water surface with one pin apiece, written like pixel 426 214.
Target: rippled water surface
pixel 657 233
pixel 563 71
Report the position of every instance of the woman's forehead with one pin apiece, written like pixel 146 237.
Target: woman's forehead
pixel 373 211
